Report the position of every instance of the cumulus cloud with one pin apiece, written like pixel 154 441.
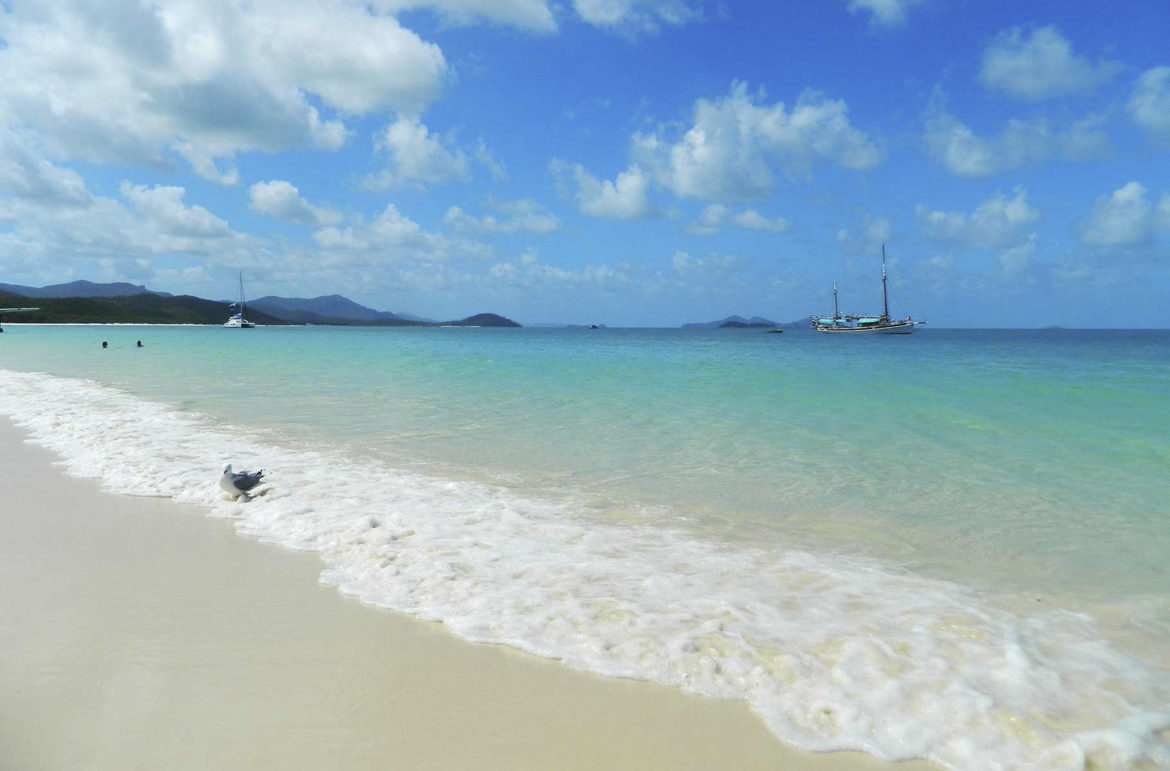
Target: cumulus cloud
pixel 115 238
pixel 390 238
pixel 625 198
pixel 633 16
pixel 1149 105
pixel 281 200
pixel 418 157
pixel 27 175
pixel 138 83
pixel 885 13
pixel 874 232
pixel 1039 66
pixel 523 216
pixel 389 229
pixel 1125 217
pixel 731 150
pixel 1020 143
pixel 163 206
pixel 717 216
pixel 996 223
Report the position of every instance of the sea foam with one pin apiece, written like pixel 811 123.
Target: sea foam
pixel 832 652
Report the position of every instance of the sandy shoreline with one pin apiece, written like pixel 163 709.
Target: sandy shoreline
pixel 138 633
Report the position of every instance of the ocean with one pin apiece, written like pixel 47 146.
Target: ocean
pixel 953 545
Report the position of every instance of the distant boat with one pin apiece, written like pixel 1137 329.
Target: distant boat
pixel 237 320
pixel 775 331
pixel 853 324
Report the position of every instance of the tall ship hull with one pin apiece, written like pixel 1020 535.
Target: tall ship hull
pixel 899 327
pixel 872 324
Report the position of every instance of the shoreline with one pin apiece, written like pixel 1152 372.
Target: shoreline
pixel 142 633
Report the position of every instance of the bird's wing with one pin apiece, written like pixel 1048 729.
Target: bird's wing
pixel 246 481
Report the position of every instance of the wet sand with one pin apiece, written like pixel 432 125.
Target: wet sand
pixel 138 633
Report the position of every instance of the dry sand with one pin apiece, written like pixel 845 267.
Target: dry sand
pixel 136 633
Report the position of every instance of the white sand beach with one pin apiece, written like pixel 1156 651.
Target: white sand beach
pixel 140 634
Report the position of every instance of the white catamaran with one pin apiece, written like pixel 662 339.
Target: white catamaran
pixel 237 320
pixel 879 325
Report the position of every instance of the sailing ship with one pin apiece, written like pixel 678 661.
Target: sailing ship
pixel 868 323
pixel 237 320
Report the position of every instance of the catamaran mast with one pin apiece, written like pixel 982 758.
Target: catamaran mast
pixel 836 313
pixel 885 299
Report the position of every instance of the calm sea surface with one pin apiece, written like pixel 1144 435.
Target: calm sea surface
pixel 952 545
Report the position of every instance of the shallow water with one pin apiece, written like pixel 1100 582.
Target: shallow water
pixel 950 545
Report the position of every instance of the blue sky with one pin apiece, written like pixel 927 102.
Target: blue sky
pixel 626 162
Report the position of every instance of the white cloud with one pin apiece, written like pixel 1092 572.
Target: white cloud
pixel 25 173
pixel 709 267
pixel 527 272
pixel 1125 217
pixel 1038 67
pixel 730 151
pixel 633 16
pixel 204 162
pixel 134 82
pixel 1020 143
pixel 163 206
pixel 390 238
pixel 874 232
pixel 1016 260
pixel 418 157
pixel 533 15
pixel 996 223
pixel 959 149
pixel 885 13
pixel 625 198
pixel 282 200
pixel 523 216
pixel 717 216
pixel 116 239
pixel 1149 105
pixel 389 229
pixel 496 168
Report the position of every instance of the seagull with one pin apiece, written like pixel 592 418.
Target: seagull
pixel 239 483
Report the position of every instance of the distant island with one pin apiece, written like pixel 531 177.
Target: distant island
pixel 84 302
pixel 746 325
pixel 755 322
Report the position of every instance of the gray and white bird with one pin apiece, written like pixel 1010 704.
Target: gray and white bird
pixel 239 483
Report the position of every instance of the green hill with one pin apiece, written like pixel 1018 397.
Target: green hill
pixel 150 308
pixel 131 309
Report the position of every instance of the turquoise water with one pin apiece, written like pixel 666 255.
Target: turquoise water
pixel 1024 472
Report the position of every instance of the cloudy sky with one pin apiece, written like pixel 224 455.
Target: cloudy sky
pixel 627 162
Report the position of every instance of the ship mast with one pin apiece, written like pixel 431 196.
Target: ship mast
pixel 885 299
pixel 836 313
